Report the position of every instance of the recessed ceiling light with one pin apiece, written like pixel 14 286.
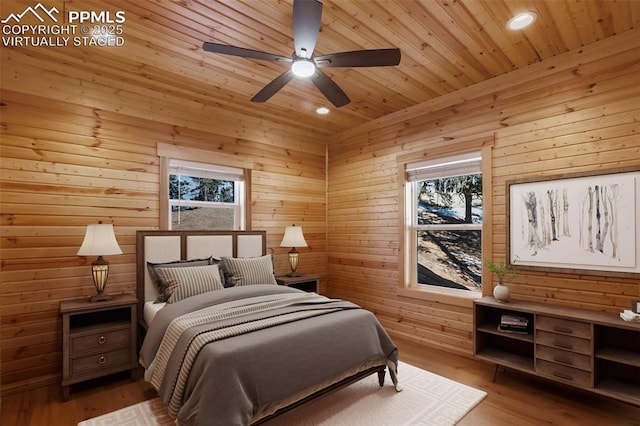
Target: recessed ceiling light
pixel 521 20
pixel 322 110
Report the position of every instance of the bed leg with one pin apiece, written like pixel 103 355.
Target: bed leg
pixel 381 375
pixel 393 372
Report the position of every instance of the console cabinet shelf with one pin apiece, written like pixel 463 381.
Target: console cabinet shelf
pixel 590 350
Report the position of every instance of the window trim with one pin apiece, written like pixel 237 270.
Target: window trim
pixel 410 289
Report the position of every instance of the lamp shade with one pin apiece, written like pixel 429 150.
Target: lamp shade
pixel 99 240
pixel 293 237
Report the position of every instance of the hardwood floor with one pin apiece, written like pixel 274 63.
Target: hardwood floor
pixel 518 399
pixel 514 399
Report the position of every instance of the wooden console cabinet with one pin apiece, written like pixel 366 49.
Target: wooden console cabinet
pixel 590 350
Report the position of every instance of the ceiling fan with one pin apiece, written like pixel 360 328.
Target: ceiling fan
pixel 306 27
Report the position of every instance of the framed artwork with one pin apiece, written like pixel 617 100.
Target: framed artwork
pixel 581 223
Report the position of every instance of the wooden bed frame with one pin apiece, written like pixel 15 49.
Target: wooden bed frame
pixel 167 246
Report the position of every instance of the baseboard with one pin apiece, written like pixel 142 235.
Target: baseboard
pixel 27 385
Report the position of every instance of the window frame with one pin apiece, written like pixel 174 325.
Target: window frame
pixel 408 287
pixel 450 166
pixel 167 152
pixel 211 171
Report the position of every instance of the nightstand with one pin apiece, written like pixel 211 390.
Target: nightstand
pixel 306 282
pixel 98 338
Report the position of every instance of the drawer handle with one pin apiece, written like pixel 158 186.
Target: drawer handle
pixel 562 376
pixel 563 345
pixel 563 330
pixel 102 360
pixel 102 340
pixel 563 360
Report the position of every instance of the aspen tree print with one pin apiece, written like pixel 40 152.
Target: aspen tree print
pixel 590 222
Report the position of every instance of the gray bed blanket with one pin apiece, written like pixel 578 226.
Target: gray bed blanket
pixel 238 355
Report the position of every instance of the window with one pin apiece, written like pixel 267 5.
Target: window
pixel 443 204
pixel 205 196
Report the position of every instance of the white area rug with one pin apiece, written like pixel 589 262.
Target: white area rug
pixel 426 399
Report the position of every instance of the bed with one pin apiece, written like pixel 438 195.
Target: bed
pixel 235 348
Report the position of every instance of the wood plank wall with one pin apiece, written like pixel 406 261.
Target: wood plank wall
pixel 578 111
pixel 79 147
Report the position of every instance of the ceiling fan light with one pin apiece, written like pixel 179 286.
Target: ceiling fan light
pixel 521 20
pixel 303 68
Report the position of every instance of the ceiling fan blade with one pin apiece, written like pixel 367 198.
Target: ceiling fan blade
pixel 272 88
pixel 242 52
pixel 360 58
pixel 306 26
pixel 329 89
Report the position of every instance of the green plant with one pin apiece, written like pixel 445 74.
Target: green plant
pixel 502 270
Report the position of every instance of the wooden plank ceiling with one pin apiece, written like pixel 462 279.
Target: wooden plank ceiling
pixel 446 45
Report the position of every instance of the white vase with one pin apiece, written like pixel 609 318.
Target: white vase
pixel 501 292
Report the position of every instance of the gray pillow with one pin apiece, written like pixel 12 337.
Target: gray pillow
pixel 161 285
pixel 190 281
pixel 250 270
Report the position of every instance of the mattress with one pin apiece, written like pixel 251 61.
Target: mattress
pixel 150 311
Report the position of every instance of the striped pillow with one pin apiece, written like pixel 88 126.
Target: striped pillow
pixel 162 285
pixel 250 270
pixel 190 281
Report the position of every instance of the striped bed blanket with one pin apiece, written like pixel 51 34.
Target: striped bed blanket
pixel 240 354
pixel 187 334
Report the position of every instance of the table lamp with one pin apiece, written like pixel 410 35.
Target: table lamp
pixel 293 238
pixel 99 240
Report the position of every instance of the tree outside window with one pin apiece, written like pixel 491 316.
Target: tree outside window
pixel 201 189
pixel 205 197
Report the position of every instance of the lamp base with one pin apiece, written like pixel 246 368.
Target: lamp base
pixel 100 298
pixel 294 274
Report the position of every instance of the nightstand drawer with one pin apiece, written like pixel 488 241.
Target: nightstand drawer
pixel 560 372
pixel 564 342
pixel 563 357
pixel 100 341
pixel 568 327
pixel 102 361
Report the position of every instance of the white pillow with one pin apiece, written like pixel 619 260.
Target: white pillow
pixel 190 281
pixel 250 270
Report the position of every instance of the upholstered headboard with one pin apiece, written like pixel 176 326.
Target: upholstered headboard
pixel 168 246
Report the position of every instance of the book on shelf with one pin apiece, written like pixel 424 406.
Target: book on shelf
pixel 513 329
pixel 511 323
pixel 514 320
